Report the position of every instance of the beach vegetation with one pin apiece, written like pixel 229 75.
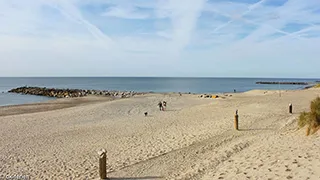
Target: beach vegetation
pixel 317 85
pixel 311 119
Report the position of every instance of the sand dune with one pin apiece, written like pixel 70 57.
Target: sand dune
pixel 193 139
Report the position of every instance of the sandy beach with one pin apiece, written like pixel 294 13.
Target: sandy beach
pixel 193 139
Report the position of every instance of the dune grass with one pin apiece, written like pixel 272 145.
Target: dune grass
pixel 317 85
pixel 311 119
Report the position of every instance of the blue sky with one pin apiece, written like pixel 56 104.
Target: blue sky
pixel 211 38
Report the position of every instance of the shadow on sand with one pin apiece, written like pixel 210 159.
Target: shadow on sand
pixel 135 178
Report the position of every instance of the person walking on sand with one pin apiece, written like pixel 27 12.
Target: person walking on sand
pixel 164 105
pixel 160 106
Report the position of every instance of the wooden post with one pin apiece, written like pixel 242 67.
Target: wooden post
pixel 290 108
pixel 236 121
pixel 279 90
pixel 308 131
pixel 102 164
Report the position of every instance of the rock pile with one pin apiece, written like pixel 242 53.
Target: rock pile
pixel 66 93
pixel 292 83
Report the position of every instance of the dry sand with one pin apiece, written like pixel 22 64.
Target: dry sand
pixel 193 139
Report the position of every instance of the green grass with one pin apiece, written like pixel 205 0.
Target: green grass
pixel 312 118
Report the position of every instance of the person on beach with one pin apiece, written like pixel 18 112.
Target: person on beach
pixel 164 105
pixel 160 106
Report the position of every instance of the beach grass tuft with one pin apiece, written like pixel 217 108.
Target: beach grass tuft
pixel 317 85
pixel 312 118
pixel 303 119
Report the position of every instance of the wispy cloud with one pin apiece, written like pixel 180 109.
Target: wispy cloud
pixel 238 16
pixel 184 20
pixel 69 10
pixel 124 37
pixel 126 12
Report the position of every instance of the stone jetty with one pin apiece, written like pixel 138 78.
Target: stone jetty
pixel 288 83
pixel 70 93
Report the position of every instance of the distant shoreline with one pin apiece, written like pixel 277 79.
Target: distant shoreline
pixel 110 86
pixel 62 103
pixel 50 105
pixel 189 77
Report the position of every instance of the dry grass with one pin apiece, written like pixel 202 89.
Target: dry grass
pixel 303 119
pixel 312 118
pixel 317 85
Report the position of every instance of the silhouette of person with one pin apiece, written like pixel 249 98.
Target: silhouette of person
pixel 164 105
pixel 160 106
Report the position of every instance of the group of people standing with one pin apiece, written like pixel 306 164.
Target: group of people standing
pixel 162 105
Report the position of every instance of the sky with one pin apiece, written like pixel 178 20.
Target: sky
pixel 175 38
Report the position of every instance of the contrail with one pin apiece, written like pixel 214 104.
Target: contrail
pixel 271 27
pixel 311 27
pixel 254 23
pixel 251 7
pixel 299 32
pixel 70 11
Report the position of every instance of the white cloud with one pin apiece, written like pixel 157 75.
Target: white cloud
pixel 288 13
pixel 126 13
pixel 184 20
pixel 71 11
pixel 122 37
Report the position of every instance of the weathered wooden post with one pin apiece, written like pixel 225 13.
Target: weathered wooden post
pixel 290 108
pixel 308 131
pixel 102 164
pixel 236 120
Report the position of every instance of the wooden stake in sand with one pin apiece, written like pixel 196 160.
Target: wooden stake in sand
pixel 290 108
pixel 102 164
pixel 236 121
pixel 308 131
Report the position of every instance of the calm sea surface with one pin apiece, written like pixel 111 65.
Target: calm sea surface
pixel 139 84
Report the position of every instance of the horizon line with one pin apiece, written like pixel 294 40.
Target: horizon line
pixel 204 77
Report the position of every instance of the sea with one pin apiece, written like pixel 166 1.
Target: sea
pixel 138 84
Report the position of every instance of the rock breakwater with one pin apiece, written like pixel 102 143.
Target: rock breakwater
pixel 291 83
pixel 70 93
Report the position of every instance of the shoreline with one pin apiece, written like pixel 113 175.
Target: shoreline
pixel 62 103
pixel 116 94
pixel 193 139
pixel 50 105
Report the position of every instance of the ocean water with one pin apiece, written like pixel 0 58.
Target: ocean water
pixel 138 84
